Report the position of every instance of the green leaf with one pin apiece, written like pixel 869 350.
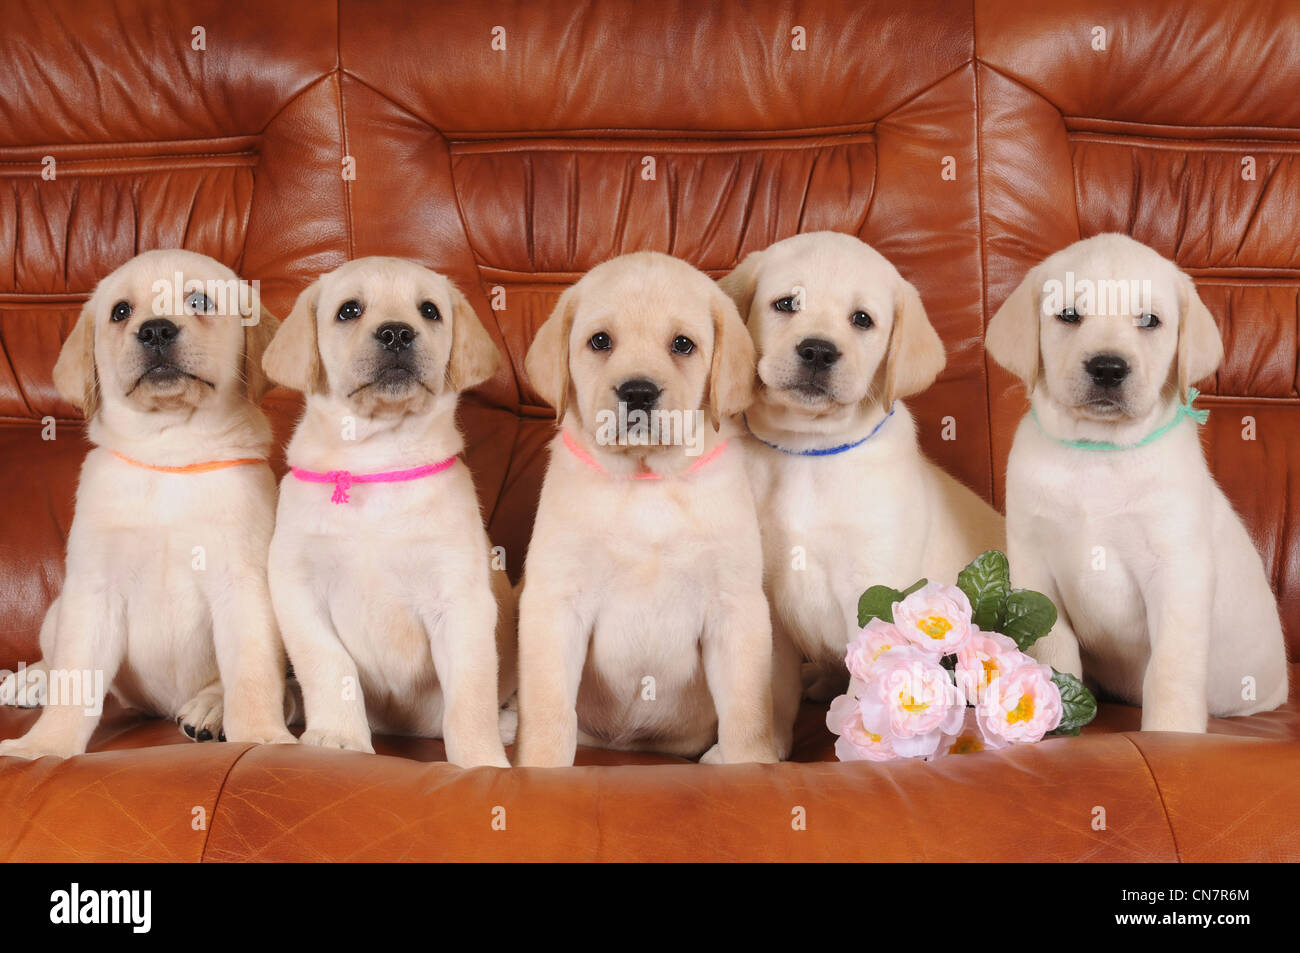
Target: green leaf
pixel 1029 616
pixel 919 584
pixel 877 603
pixel 1078 707
pixel 986 582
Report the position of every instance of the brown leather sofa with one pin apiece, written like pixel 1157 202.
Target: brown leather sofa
pixel 521 168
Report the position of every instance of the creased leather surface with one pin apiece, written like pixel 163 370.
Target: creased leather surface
pixel 514 171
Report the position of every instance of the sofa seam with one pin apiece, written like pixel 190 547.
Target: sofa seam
pixel 1164 806
pixel 983 250
pixel 216 801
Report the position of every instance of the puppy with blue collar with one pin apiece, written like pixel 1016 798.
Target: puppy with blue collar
pixel 1111 510
pixel 846 498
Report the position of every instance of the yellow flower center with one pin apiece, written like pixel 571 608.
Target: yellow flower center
pixel 935 626
pixel 875 739
pixel 911 705
pixel 881 651
pixel 990 670
pixel 966 746
pixel 1023 711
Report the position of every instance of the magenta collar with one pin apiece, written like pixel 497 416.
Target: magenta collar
pixel 343 479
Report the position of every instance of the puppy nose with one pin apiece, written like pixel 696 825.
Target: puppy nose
pixel 157 333
pixel 637 394
pixel 395 336
pixel 817 353
pixel 1107 370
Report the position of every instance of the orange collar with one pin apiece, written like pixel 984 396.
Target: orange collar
pixel 205 467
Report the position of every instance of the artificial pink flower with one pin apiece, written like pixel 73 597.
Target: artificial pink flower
pixel 910 699
pixel 969 739
pixel 936 618
pixel 855 742
pixel 876 638
pixel 1020 706
pixel 983 657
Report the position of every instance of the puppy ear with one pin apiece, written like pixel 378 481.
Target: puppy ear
pixel 1011 338
pixel 258 332
pixel 474 355
pixel 547 361
pixel 1200 348
pixel 741 283
pixel 75 376
pixel 293 356
pixel 732 370
pixel 916 353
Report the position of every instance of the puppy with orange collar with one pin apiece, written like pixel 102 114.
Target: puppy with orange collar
pixel 165 599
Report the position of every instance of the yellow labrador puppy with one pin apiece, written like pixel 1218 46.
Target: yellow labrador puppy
pixel 165 598
pixel 1111 510
pixel 380 567
pixel 846 498
pixel 642 619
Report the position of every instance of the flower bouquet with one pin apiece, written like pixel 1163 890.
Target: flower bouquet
pixel 939 669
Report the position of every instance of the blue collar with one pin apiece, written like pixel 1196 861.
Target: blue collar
pixel 824 452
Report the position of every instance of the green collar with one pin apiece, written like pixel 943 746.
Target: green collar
pixel 1185 409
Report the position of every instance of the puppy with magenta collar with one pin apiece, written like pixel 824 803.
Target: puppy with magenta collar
pixel 380 573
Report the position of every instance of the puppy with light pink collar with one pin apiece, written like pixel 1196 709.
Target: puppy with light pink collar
pixel 642 621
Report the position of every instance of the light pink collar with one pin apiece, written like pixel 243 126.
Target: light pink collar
pixel 577 450
pixel 343 479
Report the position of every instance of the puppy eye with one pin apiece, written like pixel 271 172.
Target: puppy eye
pixel 349 310
pixel 1070 316
pixel 430 310
pixel 683 345
pixel 787 304
pixel 121 311
pixel 600 341
pixel 198 303
pixel 1148 320
pixel 861 319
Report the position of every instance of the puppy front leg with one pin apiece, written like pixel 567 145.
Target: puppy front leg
pixel 250 657
pixel 553 642
pixel 1060 647
pixel 738 668
pixel 462 640
pixel 787 688
pixel 1175 687
pixel 334 704
pixel 89 642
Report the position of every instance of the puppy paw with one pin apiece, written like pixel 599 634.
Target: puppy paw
pixel 483 760
pixel 200 718
pixel 333 739
pixel 30 751
pixel 269 735
pixel 26 689
pixel 754 754
pixel 508 723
